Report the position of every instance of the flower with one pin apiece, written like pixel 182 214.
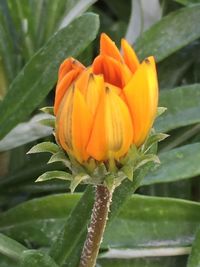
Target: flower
pixel 103 109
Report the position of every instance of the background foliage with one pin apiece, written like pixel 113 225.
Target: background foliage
pixel 40 224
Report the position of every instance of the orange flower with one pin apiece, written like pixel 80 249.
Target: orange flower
pixel 103 109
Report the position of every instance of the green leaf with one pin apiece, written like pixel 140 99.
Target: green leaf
pixel 168 35
pixel 44 147
pixel 39 76
pixel 74 230
pixel 194 258
pixel 183 107
pixel 176 164
pixel 34 258
pixel 54 175
pixel 10 247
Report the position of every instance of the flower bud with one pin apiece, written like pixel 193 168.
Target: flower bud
pixel 103 109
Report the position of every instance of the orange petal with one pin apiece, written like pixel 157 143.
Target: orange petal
pixel 111 134
pixel 82 80
pixel 68 65
pixel 108 48
pixel 113 71
pixel 62 87
pixel 68 72
pixel 129 56
pixel 141 94
pixel 63 128
pixel 73 124
pixel 82 123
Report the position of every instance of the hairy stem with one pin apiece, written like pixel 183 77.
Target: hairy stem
pixel 97 226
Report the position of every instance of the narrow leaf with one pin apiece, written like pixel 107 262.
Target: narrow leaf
pixel 39 76
pixel 10 247
pixel 34 258
pixel 161 42
pixel 183 107
pixel 176 164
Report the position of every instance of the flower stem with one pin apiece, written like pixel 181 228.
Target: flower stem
pixel 97 226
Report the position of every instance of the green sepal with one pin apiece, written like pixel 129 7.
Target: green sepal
pixel 145 159
pixel 50 122
pixel 160 111
pixel 151 140
pixel 77 180
pixel 109 182
pixel 128 171
pixel 60 156
pixel 44 147
pixel 54 175
pixel 48 110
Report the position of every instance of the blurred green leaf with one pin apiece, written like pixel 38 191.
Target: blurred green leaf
pixel 176 164
pixel 38 77
pixel 25 133
pixel 34 258
pixel 7 46
pixel 183 107
pixel 23 22
pixel 150 222
pixel 121 10
pixel 168 35
pixel 7 262
pixel 171 70
pixel 147 222
pixel 187 2
pixel 38 221
pixel 144 262
pixel 194 258
pixel 10 247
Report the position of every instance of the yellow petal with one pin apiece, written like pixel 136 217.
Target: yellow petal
pixel 141 94
pixel 73 124
pixel 94 91
pixel 129 55
pixel 112 133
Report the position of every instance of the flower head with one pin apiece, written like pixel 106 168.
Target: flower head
pixel 103 109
